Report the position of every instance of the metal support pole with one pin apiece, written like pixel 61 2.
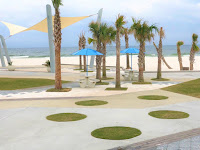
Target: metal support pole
pixel 94 45
pixel 50 36
pixel 2 58
pixel 5 49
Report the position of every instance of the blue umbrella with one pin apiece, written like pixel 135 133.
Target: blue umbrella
pixel 131 51
pixel 87 52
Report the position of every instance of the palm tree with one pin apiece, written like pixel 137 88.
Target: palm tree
pixel 119 26
pixel 57 43
pixel 80 47
pixel 143 33
pixel 194 49
pixel 108 34
pixel 126 32
pixel 83 47
pixel 95 28
pixel 159 70
pixel 179 44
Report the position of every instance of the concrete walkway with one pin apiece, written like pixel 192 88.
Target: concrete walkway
pixel 127 100
pixel 27 128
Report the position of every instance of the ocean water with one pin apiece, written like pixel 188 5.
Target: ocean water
pixel 168 50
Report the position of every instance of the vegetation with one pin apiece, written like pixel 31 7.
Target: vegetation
pixel 143 33
pixel 194 49
pixel 159 51
pixel 107 78
pixel 59 90
pixel 152 97
pixel 47 63
pixel 80 47
pixel 96 30
pixel 119 26
pixel 23 83
pixel 10 63
pixel 116 89
pixel 57 43
pixel 87 71
pixel 102 83
pixel 83 41
pixel 126 32
pixel 179 44
pixel 190 88
pixel 107 37
pixel 91 103
pixel 161 79
pixel 65 117
pixel 116 133
pixel 141 83
pixel 168 114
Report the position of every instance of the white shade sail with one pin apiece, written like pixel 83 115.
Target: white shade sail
pixel 42 26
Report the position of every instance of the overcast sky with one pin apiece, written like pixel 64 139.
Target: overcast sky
pixel 179 18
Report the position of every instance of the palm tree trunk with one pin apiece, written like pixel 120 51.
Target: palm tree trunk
pixel 127 55
pixel 57 43
pixel 141 63
pixel 98 61
pixel 159 70
pixel 84 60
pixel 118 84
pixel 162 57
pixel 192 53
pixel 179 57
pixel 144 67
pixel 80 60
pixel 104 60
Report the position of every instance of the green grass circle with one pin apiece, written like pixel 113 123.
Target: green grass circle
pixel 65 117
pixel 91 103
pixel 162 79
pixel 153 97
pixel 169 114
pixel 116 133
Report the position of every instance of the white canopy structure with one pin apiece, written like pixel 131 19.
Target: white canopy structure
pixel 46 26
pixel 42 26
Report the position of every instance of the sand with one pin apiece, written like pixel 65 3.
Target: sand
pixel 151 62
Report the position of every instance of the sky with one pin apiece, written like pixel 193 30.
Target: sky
pixel 179 18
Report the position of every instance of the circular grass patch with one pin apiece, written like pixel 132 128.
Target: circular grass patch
pixel 162 79
pixel 116 133
pixel 153 97
pixel 59 90
pixel 64 117
pixel 169 114
pixel 91 103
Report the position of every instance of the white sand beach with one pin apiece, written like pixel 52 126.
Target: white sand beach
pixel 151 62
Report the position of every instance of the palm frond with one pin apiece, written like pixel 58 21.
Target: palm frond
pixel 91 40
pixel 120 21
pixel 180 43
pixel 194 37
pixel 57 3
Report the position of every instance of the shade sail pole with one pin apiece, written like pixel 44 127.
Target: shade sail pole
pixel 5 49
pixel 2 58
pixel 50 36
pixel 94 45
